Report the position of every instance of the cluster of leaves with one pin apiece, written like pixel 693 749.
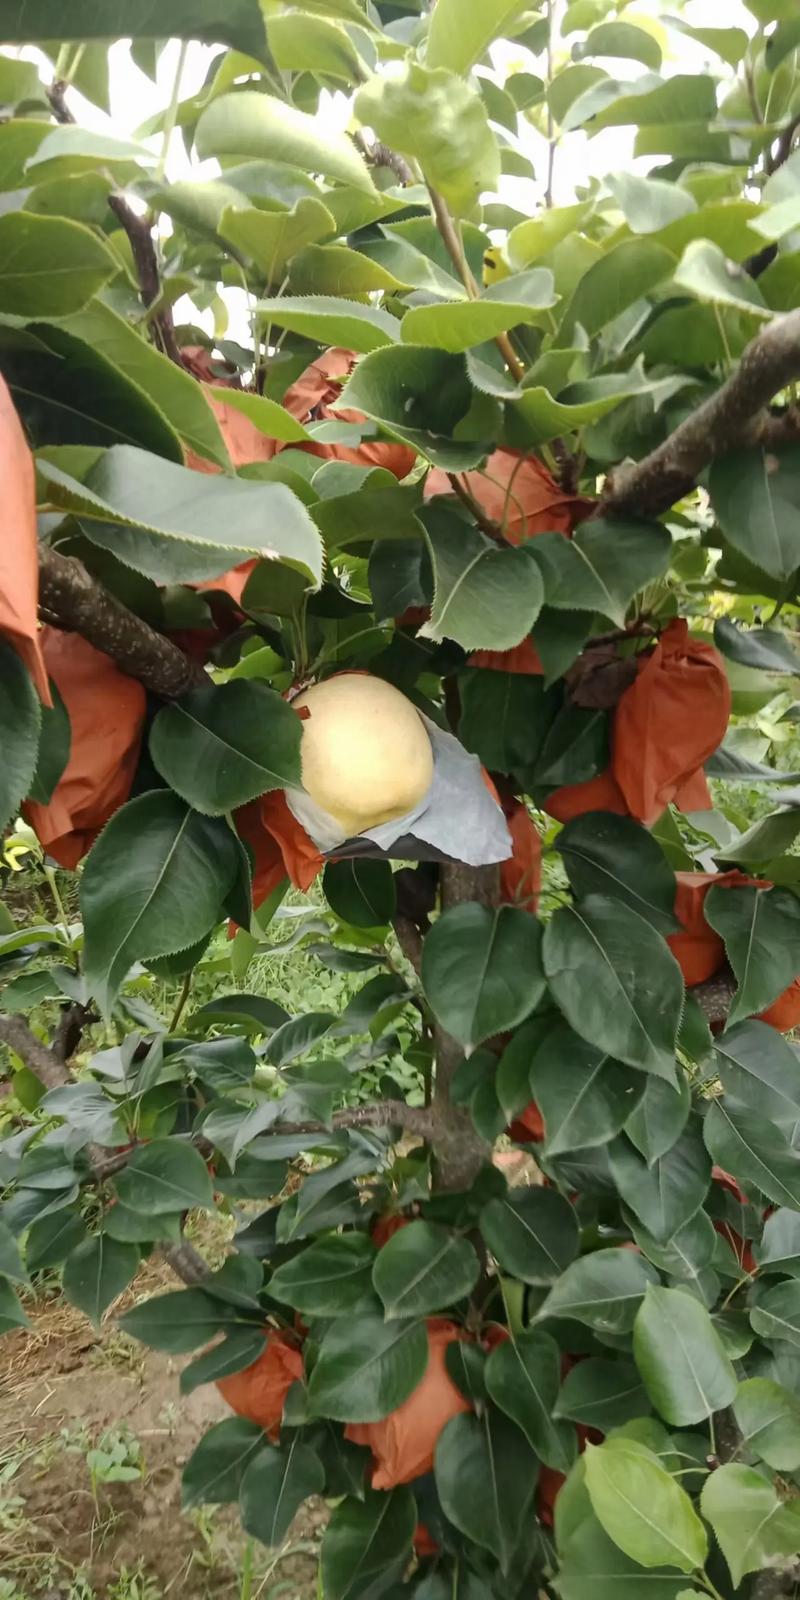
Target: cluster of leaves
pixel 643 1301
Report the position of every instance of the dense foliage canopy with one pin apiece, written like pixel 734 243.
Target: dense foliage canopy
pixel 537 466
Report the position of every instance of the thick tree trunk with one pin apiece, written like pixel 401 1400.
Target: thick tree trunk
pixel 459 1151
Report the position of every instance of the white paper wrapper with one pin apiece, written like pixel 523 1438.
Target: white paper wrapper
pixel 457 820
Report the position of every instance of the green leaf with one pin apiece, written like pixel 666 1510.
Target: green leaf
pixel 603 1290
pixel 222 746
pixel 328 1278
pixel 750 1145
pixel 270 239
pixel 614 856
pixel 756 497
pixel 441 122
pixel 176 525
pixel 423 397
pixel 486 1476
pixel 11 1313
pixel 667 1193
pixel 584 1095
pixel 481 970
pixel 70 141
pixel 602 1394
pixel 54 748
pixel 622 39
pixel 768 1418
pixel 706 272
pixel 239 25
pixel 236 1351
pixel 335 269
pixel 274 1486
pixel 459 35
pixel 504 716
pixel 47 371
pixel 649 204
pixel 754 1528
pixel 180 1320
pixel 486 597
pixel 603 566
pixel 270 418
pixel 164 1176
pixel 29 245
pixel 332 321
pixel 366 1543
pixel 153 884
pixel 301 43
pixel 367 1367
pixel 594 1569
pixel 779 1249
pixel 462 324
pixel 214 1471
pixel 575 748
pixel 759 1070
pixel 763 649
pixel 424 1268
pixel 523 1377
pixel 643 1508
pixel 10 1261
pixel 251 124
pixel 776 1315
pixel 96 1271
pixel 533 1234
pixel 681 1359
pixel 53 1238
pixel 623 275
pixel 20 719
pixel 181 398
pixel 616 982
pixel 761 929
pixel 580 404
pixel 659 1118
pixel 649 102
pixel 360 893
pixel 729 44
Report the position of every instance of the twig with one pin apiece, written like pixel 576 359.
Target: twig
pixel 58 105
pixel 81 605
pixel 551 139
pixel 39 1057
pixel 409 939
pixel 186 1262
pixel 733 417
pixel 485 523
pixel 783 146
pixel 452 241
pixel 140 236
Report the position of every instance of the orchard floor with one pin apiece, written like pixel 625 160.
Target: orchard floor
pixel 66 1391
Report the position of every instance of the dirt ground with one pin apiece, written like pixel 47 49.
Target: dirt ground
pixel 66 1392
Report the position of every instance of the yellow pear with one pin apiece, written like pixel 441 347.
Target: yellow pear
pixel 366 754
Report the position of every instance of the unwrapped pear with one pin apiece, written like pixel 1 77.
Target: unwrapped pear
pixel 366 754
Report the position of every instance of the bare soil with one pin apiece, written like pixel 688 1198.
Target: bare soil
pixel 63 1389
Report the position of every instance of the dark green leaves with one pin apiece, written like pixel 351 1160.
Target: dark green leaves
pixel 768 1418
pixel 533 1233
pixel 367 1367
pixel 153 884
pixel 481 970
pixel 776 1314
pixel 29 247
pixel 486 1476
pixel 19 732
pixel 616 982
pixel 328 1278
pixel 760 1153
pixel 239 25
pixel 424 1268
pixel 221 746
pixel 761 929
pixel 667 1193
pixel 683 1365
pixel 643 1508
pixel 361 893
pixel 763 649
pixel 485 597
pixel 756 496
pixel 603 566
pixel 603 1290
pixel 616 857
pixel 215 1469
pixel 523 1378
pixel 585 1097
pixel 274 1486
pixel 96 1272
pixel 759 1070
pixel 179 1321
pixel 367 1542
pixel 420 395
pixel 602 1394
pixel 164 1177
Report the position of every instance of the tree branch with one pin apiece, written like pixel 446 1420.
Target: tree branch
pixel 455 249
pixel 68 593
pixel 485 523
pixel 186 1262
pixel 39 1057
pixel 734 417
pixel 140 235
